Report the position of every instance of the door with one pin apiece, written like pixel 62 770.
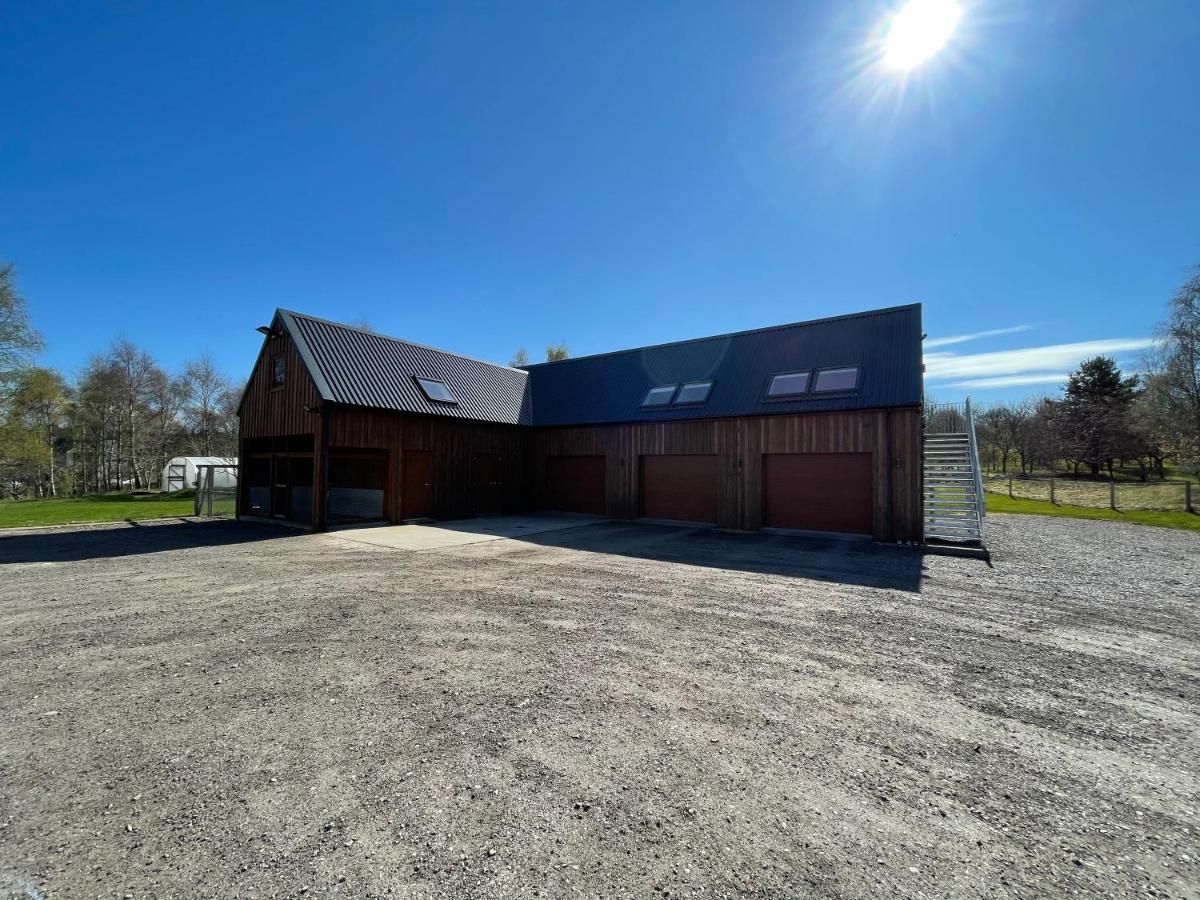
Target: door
pixel 575 484
pixel 280 492
pixel 357 484
pixel 487 483
pixel 417 498
pixel 682 487
pixel 818 491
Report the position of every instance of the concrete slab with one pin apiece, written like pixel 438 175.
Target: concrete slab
pixel 435 535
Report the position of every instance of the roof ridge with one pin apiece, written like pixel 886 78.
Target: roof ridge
pixel 733 334
pixel 388 337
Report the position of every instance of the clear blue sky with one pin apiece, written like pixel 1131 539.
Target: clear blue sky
pixel 481 176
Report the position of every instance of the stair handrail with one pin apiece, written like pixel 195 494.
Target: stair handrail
pixel 980 503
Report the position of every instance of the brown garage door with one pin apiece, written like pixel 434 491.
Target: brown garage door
pixel 818 491
pixel 680 487
pixel 575 484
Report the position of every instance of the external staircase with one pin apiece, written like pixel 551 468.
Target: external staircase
pixel 954 501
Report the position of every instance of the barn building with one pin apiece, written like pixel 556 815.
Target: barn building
pixel 812 426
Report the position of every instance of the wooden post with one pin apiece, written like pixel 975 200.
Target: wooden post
pixel 1112 495
pixel 1051 490
pixel 1010 493
pixel 1187 496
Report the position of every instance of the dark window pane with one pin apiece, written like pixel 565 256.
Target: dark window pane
pixel 837 379
pixel 783 385
pixel 436 390
pixel 278 370
pixel 694 392
pixel 659 396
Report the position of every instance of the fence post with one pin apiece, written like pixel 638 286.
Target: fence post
pixel 1052 490
pixel 1112 495
pixel 1187 496
pixel 1010 487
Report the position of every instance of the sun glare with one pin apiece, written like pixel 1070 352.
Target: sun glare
pixel 918 31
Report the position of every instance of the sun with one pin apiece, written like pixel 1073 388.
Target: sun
pixel 918 31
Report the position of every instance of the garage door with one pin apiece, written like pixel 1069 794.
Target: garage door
pixel 680 487
pixel 818 491
pixel 575 484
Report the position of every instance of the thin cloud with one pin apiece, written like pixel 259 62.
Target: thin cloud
pixel 963 338
pixel 1001 363
pixel 1012 381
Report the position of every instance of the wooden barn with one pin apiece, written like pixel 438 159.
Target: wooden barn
pixel 813 426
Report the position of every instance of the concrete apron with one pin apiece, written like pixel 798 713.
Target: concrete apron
pixel 433 536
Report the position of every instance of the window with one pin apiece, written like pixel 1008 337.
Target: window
pixel 788 384
pixel 845 379
pixel 694 392
pixel 278 371
pixel 436 390
pixel 659 396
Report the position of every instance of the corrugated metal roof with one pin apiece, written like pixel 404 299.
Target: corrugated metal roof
pixel 362 368
pixel 610 387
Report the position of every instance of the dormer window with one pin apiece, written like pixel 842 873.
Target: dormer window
pixel 660 396
pixel 278 371
pixel 436 390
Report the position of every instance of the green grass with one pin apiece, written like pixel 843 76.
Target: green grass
pixel 93 508
pixel 999 503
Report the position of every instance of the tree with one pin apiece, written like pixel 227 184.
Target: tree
pixel 556 352
pixel 32 434
pixel 1095 413
pixel 1175 374
pixel 207 406
pixel 520 358
pixel 1000 430
pixel 18 341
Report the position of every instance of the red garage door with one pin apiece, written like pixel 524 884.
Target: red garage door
pixel 818 491
pixel 575 484
pixel 680 487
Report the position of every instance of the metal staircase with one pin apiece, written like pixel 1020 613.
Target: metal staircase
pixel 954 501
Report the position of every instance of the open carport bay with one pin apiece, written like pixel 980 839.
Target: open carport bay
pixel 229 710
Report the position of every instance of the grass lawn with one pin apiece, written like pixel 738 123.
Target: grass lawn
pixel 93 508
pixel 1000 503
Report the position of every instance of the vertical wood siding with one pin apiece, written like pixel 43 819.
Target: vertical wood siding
pixel 892 437
pixel 269 413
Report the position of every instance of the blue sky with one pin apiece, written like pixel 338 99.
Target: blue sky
pixel 483 176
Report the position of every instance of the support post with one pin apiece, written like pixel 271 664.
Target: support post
pixel 1187 497
pixel 1052 490
pixel 1112 495
pixel 1010 493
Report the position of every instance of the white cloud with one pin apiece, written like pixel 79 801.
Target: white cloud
pixel 963 338
pixel 1004 381
pixel 1003 363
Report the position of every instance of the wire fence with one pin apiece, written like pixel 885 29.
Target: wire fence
pixel 1158 495
pixel 216 491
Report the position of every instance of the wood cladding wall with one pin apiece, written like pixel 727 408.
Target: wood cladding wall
pixel 892 437
pixel 270 412
pixel 454 445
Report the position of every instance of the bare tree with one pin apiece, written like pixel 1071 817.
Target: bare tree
pixel 18 340
pixel 206 408
pixel 520 358
pixel 556 352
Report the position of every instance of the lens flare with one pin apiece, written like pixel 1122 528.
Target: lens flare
pixel 918 31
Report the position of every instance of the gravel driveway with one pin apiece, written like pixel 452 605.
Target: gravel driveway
pixel 219 710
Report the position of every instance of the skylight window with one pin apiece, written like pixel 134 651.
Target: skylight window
pixel 694 392
pixel 660 396
pixel 788 384
pixel 844 379
pixel 436 390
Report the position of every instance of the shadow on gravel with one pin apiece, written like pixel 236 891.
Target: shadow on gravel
pixel 130 540
pixel 822 559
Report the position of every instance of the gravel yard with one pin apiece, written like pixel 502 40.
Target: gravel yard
pixel 219 710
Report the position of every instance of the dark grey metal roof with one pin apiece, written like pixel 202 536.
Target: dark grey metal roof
pixel 362 368
pixel 610 387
